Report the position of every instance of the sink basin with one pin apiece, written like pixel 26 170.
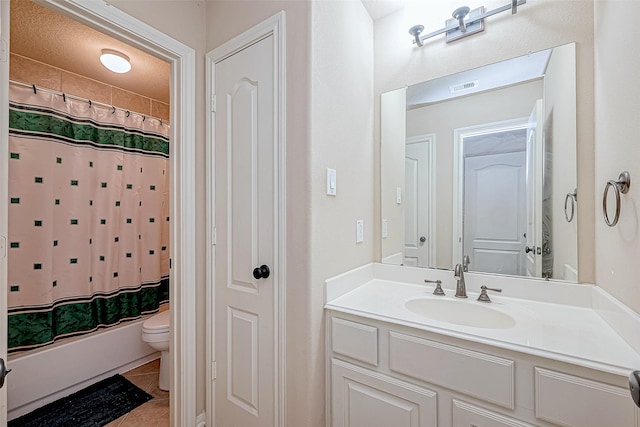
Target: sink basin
pixel 465 313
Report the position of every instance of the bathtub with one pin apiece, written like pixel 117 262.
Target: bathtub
pixel 41 376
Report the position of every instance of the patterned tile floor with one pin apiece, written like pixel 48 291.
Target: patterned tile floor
pixel 154 413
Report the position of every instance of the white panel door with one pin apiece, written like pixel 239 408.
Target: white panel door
pixel 417 234
pixel 245 155
pixel 4 190
pixel 494 212
pixel 535 150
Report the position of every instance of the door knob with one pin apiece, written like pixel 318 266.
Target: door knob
pixel 634 386
pixel 527 249
pixel 3 372
pixel 423 239
pixel 261 272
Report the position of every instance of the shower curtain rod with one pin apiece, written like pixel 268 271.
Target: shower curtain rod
pixel 90 102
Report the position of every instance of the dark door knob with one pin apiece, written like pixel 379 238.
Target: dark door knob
pixel 527 249
pixel 3 372
pixel 261 272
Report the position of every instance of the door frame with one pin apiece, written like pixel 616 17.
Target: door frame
pixel 272 26
pixel 430 141
pixel 4 187
pixel 114 22
pixel 459 135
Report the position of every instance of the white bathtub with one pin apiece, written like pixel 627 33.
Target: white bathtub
pixel 42 376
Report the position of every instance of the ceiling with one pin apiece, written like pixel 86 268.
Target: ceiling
pixel 48 37
pixel 380 8
pixel 494 76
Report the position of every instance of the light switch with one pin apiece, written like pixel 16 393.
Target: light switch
pixel 359 231
pixel 385 228
pixel 331 182
pixel 4 52
pixel 398 195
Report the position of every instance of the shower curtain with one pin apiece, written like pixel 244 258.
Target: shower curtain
pixel 88 217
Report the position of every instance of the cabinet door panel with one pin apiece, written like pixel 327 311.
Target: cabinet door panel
pixel 466 415
pixel 363 398
pixel 355 340
pixel 568 400
pixel 481 375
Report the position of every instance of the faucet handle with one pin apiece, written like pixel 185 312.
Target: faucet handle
pixel 438 290
pixel 484 297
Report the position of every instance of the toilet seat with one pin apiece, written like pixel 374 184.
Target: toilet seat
pixel 157 324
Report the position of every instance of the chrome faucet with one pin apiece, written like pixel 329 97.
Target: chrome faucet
pixel 461 289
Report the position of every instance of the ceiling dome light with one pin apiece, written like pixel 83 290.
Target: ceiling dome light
pixel 115 61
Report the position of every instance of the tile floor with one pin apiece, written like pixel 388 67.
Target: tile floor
pixel 154 413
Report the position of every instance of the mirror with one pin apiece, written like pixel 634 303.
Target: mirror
pixel 479 168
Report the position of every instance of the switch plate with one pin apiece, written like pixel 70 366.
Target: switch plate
pixel 385 228
pixel 4 52
pixel 398 195
pixel 331 182
pixel 359 231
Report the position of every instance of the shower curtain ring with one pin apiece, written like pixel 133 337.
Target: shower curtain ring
pixel 128 113
pixel 89 103
pixel 35 91
pixel 113 109
pixel 64 97
pixel 144 117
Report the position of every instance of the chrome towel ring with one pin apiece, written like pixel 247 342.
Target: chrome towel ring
pixel 574 201
pixel 620 186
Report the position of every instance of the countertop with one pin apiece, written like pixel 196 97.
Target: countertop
pixel 575 334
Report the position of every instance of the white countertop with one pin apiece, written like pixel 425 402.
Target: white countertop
pixel 576 334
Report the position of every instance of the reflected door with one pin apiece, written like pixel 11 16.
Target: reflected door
pixel 535 151
pixel 245 259
pixel 494 212
pixel 418 235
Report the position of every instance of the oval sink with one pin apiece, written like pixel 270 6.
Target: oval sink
pixel 465 313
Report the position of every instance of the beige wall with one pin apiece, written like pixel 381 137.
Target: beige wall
pixel 342 138
pixel 184 20
pixel 393 133
pixel 617 147
pixel 537 26
pixel 560 132
pixel 29 71
pixel 442 119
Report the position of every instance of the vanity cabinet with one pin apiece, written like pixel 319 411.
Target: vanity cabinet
pixel 383 374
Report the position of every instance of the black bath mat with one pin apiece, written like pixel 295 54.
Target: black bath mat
pixel 95 405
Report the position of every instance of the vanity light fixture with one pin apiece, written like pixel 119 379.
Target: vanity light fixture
pixel 115 61
pixel 465 22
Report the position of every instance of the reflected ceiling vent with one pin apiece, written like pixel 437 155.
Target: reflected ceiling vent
pixel 464 86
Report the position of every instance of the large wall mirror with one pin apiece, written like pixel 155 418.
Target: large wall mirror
pixel 479 168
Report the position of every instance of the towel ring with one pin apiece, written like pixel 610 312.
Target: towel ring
pixel 620 186
pixel 574 200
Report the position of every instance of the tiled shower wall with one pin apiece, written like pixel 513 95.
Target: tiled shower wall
pixel 27 70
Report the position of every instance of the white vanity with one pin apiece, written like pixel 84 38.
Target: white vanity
pixel 540 353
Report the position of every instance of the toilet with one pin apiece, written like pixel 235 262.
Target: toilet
pixel 155 332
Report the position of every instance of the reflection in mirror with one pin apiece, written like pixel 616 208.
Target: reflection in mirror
pixel 476 168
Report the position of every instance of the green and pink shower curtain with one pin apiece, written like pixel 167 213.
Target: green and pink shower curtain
pixel 88 217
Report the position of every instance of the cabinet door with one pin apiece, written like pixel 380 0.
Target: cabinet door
pixel 466 415
pixel 363 398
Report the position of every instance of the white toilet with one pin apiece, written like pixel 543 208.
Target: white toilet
pixel 155 332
